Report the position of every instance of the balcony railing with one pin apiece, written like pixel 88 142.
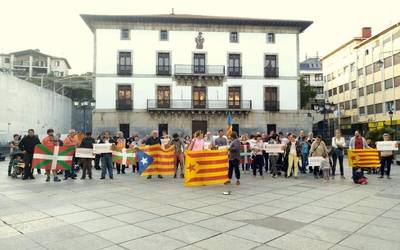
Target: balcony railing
pixel 163 70
pixel 125 70
pixel 21 63
pixel 210 70
pixel 124 104
pixel 272 106
pixel 271 72
pixel 190 104
pixel 234 71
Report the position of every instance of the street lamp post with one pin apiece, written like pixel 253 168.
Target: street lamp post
pixel 84 105
pixel 391 117
pixel 325 108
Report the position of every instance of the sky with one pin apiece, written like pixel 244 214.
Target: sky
pixel 55 27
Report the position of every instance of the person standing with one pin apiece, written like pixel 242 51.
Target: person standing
pixel 357 142
pixel 106 158
pixel 87 142
pixel 234 158
pixel 305 150
pixel 50 141
pixel 293 153
pixel 386 159
pixel 265 138
pixel 258 155
pixel 318 149
pixel 221 141
pixel 338 145
pixel 273 157
pixel 98 156
pixel 120 143
pixel 71 141
pixel 153 140
pixel 13 149
pixel 178 144
pixel 27 145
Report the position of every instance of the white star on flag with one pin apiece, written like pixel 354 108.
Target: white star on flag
pixel 144 161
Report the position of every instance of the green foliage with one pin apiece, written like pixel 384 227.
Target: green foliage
pixel 306 93
pixel 377 134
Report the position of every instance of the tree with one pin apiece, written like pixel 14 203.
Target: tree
pixel 306 92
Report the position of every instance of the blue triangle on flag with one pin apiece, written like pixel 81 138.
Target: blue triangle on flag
pixel 144 161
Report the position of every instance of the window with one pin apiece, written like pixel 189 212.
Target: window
pixel 389 106
pixel 370 109
pixel 396 59
pixel 368 69
pixel 398 104
pixel 354 103
pixel 360 72
pixel 199 97
pixel 234 94
pixel 271 38
pixel 199 60
pixel 163 64
pixel 346 86
pixel 234 65
pixel 318 77
pixel 271 66
pixel 6 60
pixel 57 63
pixel 387 62
pixel 352 67
pixel 361 92
pixel 389 83
pixel 370 89
pixel 334 91
pixel 397 81
pixel 366 52
pixel 378 86
pixel 353 85
pixel 234 37
pixel 377 66
pixel 330 92
pixel 361 110
pixel 340 89
pixel 124 63
pixel 347 105
pixel 271 102
pixel 319 90
pixel 125 34
pixel 163 96
pixel 163 35
pixel 124 97
pixel 306 78
pixel 378 108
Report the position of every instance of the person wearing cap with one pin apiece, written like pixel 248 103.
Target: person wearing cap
pixel 49 141
pixel 386 159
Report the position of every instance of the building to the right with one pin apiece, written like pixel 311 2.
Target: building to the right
pixel 362 77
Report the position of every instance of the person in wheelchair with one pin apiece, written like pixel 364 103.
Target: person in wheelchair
pixel 16 165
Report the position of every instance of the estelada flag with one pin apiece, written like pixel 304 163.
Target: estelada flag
pixel 364 158
pixel 163 160
pixel 53 157
pixel 206 167
pixel 124 156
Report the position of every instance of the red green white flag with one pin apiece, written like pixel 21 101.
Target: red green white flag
pixel 53 157
pixel 124 156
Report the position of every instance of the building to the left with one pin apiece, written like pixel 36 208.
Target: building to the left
pixel 32 63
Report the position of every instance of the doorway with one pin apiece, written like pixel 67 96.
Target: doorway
pixel 124 127
pixel 199 125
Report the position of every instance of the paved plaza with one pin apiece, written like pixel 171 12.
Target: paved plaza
pixel 131 212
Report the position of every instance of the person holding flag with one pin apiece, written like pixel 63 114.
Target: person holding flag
pixel 153 140
pixel 234 158
pixel 49 141
pixel 120 143
pixel 71 141
pixel 87 142
pixel 358 142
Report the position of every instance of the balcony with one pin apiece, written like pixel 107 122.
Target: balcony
pixel 271 72
pixel 272 106
pixel 235 71
pixel 124 70
pixel 21 63
pixel 163 70
pixel 198 106
pixel 319 96
pixel 124 104
pixel 191 74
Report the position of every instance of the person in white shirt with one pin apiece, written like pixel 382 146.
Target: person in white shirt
pixel 338 145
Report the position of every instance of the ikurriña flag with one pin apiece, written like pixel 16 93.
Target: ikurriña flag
pixel 124 156
pixel 206 167
pixel 364 158
pixel 163 160
pixel 53 157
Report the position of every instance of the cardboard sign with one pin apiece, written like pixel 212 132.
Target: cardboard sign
pixel 102 148
pixel 386 145
pixel 84 153
pixel 315 161
pixel 273 148
pixel 165 141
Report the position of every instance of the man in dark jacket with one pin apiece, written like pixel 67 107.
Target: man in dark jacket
pixel 87 142
pixel 27 145
pixel 106 158
pixel 153 140
pixel 234 159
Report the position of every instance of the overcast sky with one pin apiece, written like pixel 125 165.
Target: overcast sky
pixel 55 27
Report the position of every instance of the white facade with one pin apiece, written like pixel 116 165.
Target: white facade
pixel 144 44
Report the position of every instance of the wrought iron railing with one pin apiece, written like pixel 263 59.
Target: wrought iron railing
pixel 212 70
pixel 188 104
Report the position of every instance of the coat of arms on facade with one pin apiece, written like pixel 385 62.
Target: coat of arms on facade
pixel 199 41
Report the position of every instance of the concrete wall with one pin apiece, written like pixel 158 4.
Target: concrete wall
pixel 24 105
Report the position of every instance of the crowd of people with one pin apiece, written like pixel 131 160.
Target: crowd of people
pixel 247 154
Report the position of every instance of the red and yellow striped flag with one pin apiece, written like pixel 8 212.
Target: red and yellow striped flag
pixel 163 160
pixel 206 167
pixel 364 158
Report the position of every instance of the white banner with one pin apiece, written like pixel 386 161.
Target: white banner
pixel 84 153
pixel 386 145
pixel 315 161
pixel 102 148
pixel 274 148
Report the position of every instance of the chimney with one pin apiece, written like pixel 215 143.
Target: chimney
pixel 366 32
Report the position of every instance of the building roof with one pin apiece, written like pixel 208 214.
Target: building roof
pixel 343 46
pixel 90 20
pixel 377 35
pixel 312 63
pixel 37 52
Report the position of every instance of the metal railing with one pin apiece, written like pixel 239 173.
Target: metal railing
pixel 272 106
pixel 271 71
pixel 163 70
pixel 124 104
pixel 188 104
pixel 234 71
pixel 212 70
pixel 124 69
